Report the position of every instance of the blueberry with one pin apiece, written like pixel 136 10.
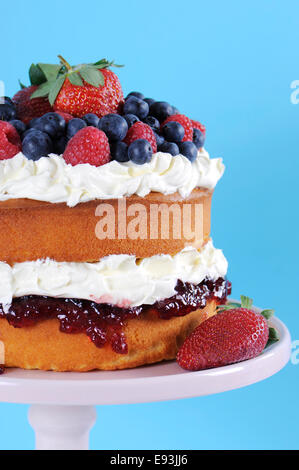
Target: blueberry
pixel 60 144
pixel 149 101
pixel 175 110
pixel 173 131
pixel 131 119
pixel 114 126
pixel 91 119
pixel 7 112
pixel 140 151
pixel 119 151
pixel 33 122
pixel 73 126
pixel 28 131
pixel 136 106
pixel 161 110
pixel 37 144
pixel 19 126
pixel 152 122
pixel 136 94
pixel 189 150
pixel 159 139
pixel 198 138
pixel 51 123
pixel 169 147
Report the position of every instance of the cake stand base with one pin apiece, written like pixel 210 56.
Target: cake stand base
pixel 62 411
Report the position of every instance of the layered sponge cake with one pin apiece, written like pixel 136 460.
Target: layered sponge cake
pixel 106 255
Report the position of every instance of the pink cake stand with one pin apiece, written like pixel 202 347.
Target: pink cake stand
pixel 63 411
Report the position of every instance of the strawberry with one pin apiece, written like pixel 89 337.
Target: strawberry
pixel 185 122
pixel 235 334
pixel 198 125
pixel 139 130
pixel 89 145
pixel 81 89
pixel 10 142
pixel 28 108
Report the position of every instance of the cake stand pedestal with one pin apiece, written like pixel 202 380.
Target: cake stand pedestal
pixel 63 412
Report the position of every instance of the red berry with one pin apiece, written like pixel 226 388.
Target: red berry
pixel 81 100
pixel 28 109
pixel 228 337
pixel 66 116
pixel 139 130
pixel 185 122
pixel 89 145
pixel 10 142
pixel 198 125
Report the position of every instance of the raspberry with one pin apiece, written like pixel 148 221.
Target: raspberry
pixel 66 116
pixel 28 108
pixel 185 122
pixel 198 125
pixel 10 142
pixel 89 145
pixel 139 130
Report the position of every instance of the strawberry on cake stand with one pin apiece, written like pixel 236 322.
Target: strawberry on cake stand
pixel 119 309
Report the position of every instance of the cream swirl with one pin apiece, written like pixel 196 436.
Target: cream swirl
pixel 115 279
pixel 51 179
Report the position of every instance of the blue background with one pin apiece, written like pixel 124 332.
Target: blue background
pixel 230 65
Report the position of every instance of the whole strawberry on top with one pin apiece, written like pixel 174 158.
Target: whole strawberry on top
pixel 235 334
pixel 81 89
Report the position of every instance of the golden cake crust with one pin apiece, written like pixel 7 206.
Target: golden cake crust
pixel 37 230
pixel 150 339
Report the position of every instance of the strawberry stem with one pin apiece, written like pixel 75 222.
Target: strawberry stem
pixel 64 62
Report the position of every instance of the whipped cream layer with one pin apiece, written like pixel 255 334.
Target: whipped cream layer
pixel 51 179
pixel 117 279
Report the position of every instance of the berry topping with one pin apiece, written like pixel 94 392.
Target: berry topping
pixel 10 142
pixel 36 144
pixel 60 145
pixel 139 130
pixel 149 101
pixel 169 147
pixel 198 138
pixel 89 145
pixel 20 126
pixel 185 122
pixel 114 126
pixel 91 119
pixel 137 94
pixel 66 116
pixel 50 123
pixel 136 106
pixel 119 151
pixel 161 110
pixel 131 119
pixel 159 139
pixel 140 151
pixel 233 335
pixel 189 150
pixel 173 131
pixel 27 108
pixel 74 126
pixel 7 109
pixel 152 122
pixel 199 126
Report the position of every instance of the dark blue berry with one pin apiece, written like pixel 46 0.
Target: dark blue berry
pixel 149 101
pixel 198 138
pixel 140 151
pixel 19 126
pixel 161 110
pixel 33 122
pixel 51 123
pixel 159 139
pixel 119 151
pixel 131 119
pixel 91 119
pixel 152 122
pixel 189 150
pixel 136 94
pixel 173 131
pixel 114 126
pixel 175 110
pixel 136 106
pixel 169 147
pixel 28 131
pixel 37 144
pixel 7 112
pixel 60 144
pixel 73 126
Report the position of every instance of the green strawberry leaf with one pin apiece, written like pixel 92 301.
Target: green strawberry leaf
pixel 75 79
pixel 55 89
pixel 50 70
pixel 246 302
pixel 43 90
pixel 273 337
pixel 36 75
pixel 268 313
pixel 22 85
pixel 92 76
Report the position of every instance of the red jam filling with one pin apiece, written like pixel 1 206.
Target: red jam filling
pixel 103 323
